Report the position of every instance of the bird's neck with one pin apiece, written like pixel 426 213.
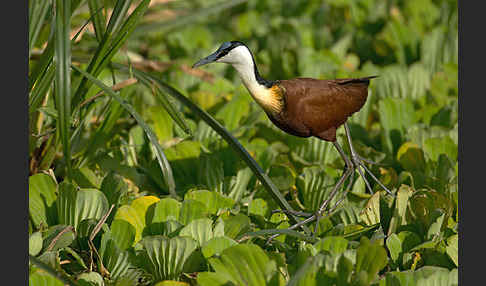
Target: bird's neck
pixel 260 89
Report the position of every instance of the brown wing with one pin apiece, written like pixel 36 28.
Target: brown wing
pixel 318 107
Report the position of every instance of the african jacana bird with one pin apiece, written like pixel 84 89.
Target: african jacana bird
pixel 302 107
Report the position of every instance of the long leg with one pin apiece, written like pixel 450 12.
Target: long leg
pixel 358 161
pixel 347 172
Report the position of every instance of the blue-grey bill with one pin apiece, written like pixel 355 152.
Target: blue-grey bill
pixel 209 59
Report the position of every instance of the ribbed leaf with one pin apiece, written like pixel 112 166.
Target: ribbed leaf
pixel 166 209
pixel 123 233
pixel 165 257
pixel 314 185
pixel 42 196
pixel 425 276
pixel 191 210
pixel 213 201
pixel 201 230
pixel 117 261
pixel 216 245
pixel 73 205
pixel 244 264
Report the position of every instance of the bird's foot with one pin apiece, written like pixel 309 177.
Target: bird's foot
pixel 358 161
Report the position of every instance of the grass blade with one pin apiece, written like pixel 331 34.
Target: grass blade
pixel 40 90
pixel 110 45
pixel 62 57
pixel 227 136
pixel 99 22
pixel 164 164
pixel 37 15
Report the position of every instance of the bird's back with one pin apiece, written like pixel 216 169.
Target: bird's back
pixel 316 107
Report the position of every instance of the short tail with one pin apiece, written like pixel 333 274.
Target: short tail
pixel 357 80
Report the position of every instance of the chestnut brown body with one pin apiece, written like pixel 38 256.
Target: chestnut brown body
pixel 313 107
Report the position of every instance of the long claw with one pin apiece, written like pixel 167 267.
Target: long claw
pixel 358 161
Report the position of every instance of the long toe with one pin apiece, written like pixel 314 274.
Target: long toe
pixel 359 161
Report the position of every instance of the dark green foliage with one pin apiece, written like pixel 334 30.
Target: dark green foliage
pixel 144 171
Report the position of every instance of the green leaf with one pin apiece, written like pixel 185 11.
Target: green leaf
pixel 433 147
pixel 216 245
pixel 212 279
pixel 191 210
pixel 73 206
pixel 235 226
pixel 394 245
pixel 233 111
pixel 239 183
pixel 258 207
pixel 411 157
pixel 282 176
pixel 214 201
pixel 90 279
pixel 211 173
pixel 114 188
pixel 58 237
pixel 425 276
pixel 370 259
pixel 35 243
pixel 244 264
pixel 401 202
pixel 314 185
pixel 42 196
pixel 162 123
pixel 371 213
pixel 201 230
pixel 118 262
pixel 452 248
pixel 135 214
pixel 123 233
pixel 166 209
pixel 165 257
pixel 396 115
pixel 86 178
pixel 427 207
pixel 333 244
pixel 43 278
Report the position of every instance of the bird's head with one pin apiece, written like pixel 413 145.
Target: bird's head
pixel 233 53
